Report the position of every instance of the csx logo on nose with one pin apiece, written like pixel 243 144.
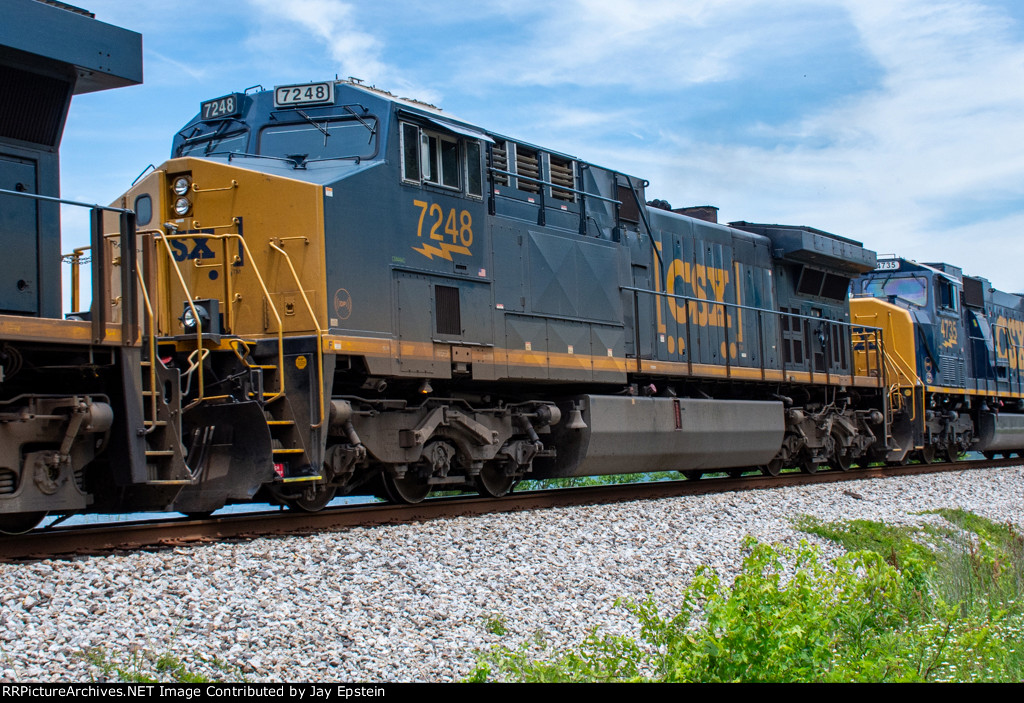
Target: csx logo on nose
pixel 194 247
pixel 199 249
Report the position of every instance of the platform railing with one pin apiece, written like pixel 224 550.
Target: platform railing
pixel 165 240
pixel 716 307
pixel 100 289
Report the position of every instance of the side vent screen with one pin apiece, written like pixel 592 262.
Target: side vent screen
pixel 628 210
pixel 447 312
pixel 836 287
pixel 562 175
pixel 974 292
pixel 527 164
pixel 810 281
pixel 37 113
pixel 499 160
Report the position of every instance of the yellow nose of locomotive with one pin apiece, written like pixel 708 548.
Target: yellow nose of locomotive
pixel 247 244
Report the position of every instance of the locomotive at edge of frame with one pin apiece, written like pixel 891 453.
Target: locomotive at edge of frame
pixel 332 289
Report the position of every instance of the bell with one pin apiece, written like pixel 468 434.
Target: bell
pixel 576 420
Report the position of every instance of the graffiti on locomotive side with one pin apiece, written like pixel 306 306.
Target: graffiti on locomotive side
pixel 436 225
pixel 708 285
pixel 1009 336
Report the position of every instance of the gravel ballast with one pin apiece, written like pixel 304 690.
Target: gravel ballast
pixel 413 602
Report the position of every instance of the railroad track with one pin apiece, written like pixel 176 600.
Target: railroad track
pixel 155 534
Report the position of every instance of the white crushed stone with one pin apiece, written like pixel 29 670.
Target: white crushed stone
pixel 413 602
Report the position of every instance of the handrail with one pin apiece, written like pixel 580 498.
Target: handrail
pixel 542 182
pixel 736 306
pixel 62 201
pixel 276 244
pixel 151 338
pixel 164 239
pixel 263 286
pixel 76 263
pixel 76 278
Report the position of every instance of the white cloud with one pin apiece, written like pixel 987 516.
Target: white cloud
pixel 334 25
pixel 901 166
pixel 196 74
pixel 331 22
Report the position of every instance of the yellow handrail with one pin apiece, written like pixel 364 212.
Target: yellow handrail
pixel 263 286
pixel 163 238
pixel 274 244
pixel 151 335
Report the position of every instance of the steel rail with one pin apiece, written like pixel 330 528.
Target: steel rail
pixel 130 536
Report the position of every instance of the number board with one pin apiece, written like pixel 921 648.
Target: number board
pixel 219 108
pixel 306 94
pixel 888 265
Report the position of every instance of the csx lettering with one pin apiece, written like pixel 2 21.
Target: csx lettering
pixel 199 250
pixel 1009 337
pixel 458 226
pixel 707 283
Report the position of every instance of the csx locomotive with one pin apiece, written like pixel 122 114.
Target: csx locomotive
pixel 339 289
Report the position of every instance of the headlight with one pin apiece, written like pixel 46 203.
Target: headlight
pixel 182 206
pixel 181 185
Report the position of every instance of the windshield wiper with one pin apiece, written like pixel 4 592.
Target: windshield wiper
pixel 310 120
pixel 372 128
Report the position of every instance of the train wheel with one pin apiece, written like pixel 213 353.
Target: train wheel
pixel 841 458
pixel 772 468
pixel 736 473
pixel 928 453
pixel 808 466
pixel 873 456
pixel 314 499
pixel 842 461
pixel 692 475
pixel 493 482
pixel 951 454
pixel 19 523
pixel 408 489
pixel 989 455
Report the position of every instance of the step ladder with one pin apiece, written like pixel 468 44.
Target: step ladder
pixel 161 412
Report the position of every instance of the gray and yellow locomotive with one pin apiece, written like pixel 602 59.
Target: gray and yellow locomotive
pixel 330 289
pixel 356 287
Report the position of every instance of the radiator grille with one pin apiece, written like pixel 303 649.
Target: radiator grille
pixel 36 114
pixel 448 314
pixel 527 164
pixel 562 175
pixel 499 160
pixel 951 370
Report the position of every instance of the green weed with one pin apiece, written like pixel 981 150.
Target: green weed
pixel 496 625
pixel 940 603
pixel 141 666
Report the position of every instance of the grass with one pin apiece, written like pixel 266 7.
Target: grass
pixel 940 602
pixel 141 666
pixel 581 481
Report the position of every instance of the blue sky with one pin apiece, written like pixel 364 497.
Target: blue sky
pixel 899 123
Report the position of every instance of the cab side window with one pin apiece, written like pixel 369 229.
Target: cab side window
pixel 945 295
pixel 440 160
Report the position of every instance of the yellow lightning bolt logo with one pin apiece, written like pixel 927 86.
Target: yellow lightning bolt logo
pixel 443 251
